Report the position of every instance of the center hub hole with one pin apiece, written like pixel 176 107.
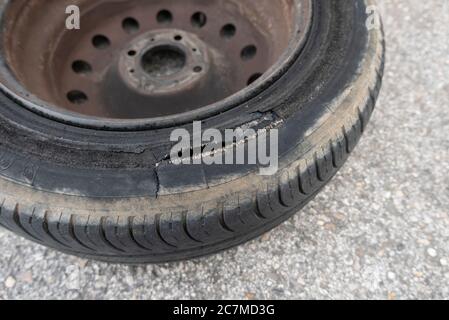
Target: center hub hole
pixel 163 61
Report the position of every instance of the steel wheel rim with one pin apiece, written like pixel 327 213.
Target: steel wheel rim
pixel 14 89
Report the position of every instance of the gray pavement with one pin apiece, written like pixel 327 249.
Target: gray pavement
pixel 380 230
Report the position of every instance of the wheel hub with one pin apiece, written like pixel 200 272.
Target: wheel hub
pixel 164 62
pixel 167 68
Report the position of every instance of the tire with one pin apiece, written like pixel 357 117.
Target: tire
pixel 114 196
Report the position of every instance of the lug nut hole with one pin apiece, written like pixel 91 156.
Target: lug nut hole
pixel 254 78
pixel 199 19
pixel 249 52
pixel 101 42
pixel 77 97
pixel 228 31
pixel 164 17
pixel 130 25
pixel 81 67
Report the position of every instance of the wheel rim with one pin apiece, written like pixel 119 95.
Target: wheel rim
pixel 146 64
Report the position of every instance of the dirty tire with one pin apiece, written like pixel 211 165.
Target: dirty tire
pixel 114 196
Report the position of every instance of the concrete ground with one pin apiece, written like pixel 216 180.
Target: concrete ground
pixel 380 230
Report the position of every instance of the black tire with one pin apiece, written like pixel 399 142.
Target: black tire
pixel 114 196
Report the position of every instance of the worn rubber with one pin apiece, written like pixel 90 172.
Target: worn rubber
pixel 114 196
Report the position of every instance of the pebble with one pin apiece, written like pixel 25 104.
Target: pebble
pixel 250 296
pixel 392 296
pixel 82 263
pixel 26 277
pixel 10 282
pixel 432 252
pixel 266 237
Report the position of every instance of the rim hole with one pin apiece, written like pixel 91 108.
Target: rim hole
pixel 77 97
pixel 228 31
pixel 130 25
pixel 199 20
pixel 81 67
pixel 163 61
pixel 132 53
pixel 248 52
pixel 164 17
pixel 101 42
pixel 178 38
pixel 197 69
pixel 254 78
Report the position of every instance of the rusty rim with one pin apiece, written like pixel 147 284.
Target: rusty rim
pixel 140 64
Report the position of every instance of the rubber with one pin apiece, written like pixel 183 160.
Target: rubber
pixel 115 196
